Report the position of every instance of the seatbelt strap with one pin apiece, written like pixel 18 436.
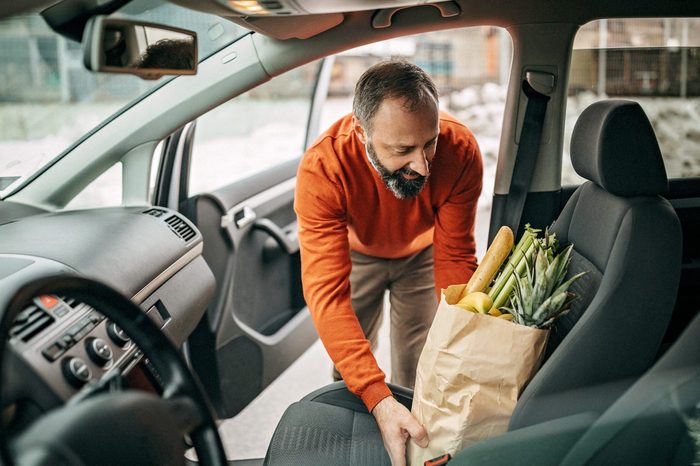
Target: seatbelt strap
pixel 526 157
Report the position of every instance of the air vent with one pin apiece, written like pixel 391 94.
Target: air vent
pixel 30 323
pixel 180 227
pixel 155 212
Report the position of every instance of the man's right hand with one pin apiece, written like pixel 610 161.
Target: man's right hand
pixel 397 424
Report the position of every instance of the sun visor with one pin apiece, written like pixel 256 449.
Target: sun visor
pixel 283 28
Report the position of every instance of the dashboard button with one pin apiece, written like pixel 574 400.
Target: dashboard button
pixel 98 350
pixel 48 301
pixel 53 351
pixel 117 335
pixel 76 371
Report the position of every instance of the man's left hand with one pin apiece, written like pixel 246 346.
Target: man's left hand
pixel 397 424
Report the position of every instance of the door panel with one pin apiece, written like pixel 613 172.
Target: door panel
pixel 243 157
pixel 257 324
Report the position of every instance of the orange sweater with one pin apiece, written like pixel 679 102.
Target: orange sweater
pixel 342 204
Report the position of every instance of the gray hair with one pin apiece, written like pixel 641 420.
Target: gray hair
pixel 387 80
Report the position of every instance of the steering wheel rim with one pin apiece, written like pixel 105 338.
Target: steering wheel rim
pixel 177 378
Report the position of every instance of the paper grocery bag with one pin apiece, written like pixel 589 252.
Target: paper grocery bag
pixel 470 374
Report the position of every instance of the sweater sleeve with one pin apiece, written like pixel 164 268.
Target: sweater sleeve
pixel 454 243
pixel 325 263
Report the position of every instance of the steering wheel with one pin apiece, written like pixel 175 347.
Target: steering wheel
pixel 126 427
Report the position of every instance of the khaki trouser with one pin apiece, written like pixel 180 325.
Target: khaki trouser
pixel 411 284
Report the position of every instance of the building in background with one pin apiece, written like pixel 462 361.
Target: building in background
pixel 642 57
pixel 455 59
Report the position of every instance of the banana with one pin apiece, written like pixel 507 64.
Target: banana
pixel 476 302
pixel 467 308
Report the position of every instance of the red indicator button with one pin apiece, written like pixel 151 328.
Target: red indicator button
pixel 48 301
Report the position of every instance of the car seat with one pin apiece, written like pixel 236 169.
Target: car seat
pixel 628 238
pixel 625 235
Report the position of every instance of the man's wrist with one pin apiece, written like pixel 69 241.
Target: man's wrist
pixel 375 393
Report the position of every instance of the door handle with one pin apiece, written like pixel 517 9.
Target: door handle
pixel 244 217
pixel 283 240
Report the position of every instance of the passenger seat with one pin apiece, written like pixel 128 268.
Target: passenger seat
pixel 628 238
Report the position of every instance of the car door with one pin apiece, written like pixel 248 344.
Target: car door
pixel 232 172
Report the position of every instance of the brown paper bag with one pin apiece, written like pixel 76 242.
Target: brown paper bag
pixel 470 374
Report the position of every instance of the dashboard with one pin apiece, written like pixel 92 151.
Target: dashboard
pixel 59 345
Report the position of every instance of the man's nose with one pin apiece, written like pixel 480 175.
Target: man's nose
pixel 419 163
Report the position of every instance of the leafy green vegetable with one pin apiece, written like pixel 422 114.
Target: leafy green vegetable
pixel 540 295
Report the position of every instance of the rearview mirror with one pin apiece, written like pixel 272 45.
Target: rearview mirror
pixel 147 50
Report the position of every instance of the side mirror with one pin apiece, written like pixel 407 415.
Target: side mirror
pixel 147 50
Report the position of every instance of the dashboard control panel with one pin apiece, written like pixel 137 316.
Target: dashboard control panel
pixel 70 344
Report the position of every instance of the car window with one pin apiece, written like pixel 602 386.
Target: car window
pixel 104 191
pixel 470 66
pixel 254 131
pixel 48 100
pixel 655 62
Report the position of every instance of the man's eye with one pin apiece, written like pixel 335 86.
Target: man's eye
pixel 431 143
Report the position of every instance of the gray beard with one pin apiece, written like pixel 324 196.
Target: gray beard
pixel 400 187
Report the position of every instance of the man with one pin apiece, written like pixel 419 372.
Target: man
pixel 381 195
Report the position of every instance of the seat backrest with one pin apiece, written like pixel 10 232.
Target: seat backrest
pixel 628 238
pixel 657 421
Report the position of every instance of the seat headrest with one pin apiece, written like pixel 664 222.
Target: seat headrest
pixel 613 145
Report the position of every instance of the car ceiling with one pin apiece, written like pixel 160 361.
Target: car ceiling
pixel 502 13
pixel 495 12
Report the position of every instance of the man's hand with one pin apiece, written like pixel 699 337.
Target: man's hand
pixel 397 424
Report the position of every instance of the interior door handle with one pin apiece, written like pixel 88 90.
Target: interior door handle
pixel 244 217
pixel 289 244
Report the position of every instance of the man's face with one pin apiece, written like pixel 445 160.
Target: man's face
pixel 401 144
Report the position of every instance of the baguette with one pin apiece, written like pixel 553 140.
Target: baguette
pixel 492 261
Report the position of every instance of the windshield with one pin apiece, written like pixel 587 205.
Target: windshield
pixel 48 100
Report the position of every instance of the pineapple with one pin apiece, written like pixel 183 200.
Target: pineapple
pixel 540 295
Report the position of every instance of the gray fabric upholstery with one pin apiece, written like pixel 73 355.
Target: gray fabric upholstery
pixel 337 394
pixel 543 444
pixel 655 421
pixel 322 434
pixel 613 145
pixel 330 426
pixel 633 246
pixel 585 289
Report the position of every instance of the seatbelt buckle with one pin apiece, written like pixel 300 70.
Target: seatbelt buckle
pixel 439 461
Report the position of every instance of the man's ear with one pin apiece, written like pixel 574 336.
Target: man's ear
pixel 359 130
